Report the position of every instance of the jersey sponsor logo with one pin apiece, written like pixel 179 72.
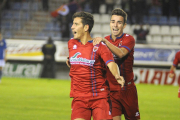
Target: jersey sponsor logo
pixel 95 48
pixel 79 60
pixel 74 46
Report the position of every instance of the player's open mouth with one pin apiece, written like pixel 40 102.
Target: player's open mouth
pixel 74 33
pixel 115 29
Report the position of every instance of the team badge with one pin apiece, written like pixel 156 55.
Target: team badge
pixel 95 48
pixel 75 47
pixel 120 43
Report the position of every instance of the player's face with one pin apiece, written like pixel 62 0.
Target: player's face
pixel 77 28
pixel 117 25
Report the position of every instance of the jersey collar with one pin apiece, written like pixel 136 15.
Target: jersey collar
pixel 117 37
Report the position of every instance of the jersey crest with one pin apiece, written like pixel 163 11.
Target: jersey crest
pixel 95 48
pixel 80 60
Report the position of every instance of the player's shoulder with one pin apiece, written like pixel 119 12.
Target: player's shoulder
pixel 108 37
pixel 129 37
pixel 72 40
pixel 178 52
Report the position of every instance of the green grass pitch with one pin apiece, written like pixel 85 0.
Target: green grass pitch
pixel 48 99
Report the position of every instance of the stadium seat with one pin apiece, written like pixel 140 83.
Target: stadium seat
pixel 176 40
pixel 154 30
pixel 174 30
pixel 152 10
pixel 163 20
pixel 97 35
pixel 173 20
pixel 157 39
pixel 17 15
pixel 96 18
pixel 153 20
pixel 16 6
pixel 145 19
pixel 105 18
pixel 106 29
pixel 149 39
pixel 165 30
pixel 96 28
pixel 167 39
pixel 128 29
pixel 25 6
pixel 102 9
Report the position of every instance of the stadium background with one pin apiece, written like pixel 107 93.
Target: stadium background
pixel 26 27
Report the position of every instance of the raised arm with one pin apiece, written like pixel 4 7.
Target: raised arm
pixel 120 52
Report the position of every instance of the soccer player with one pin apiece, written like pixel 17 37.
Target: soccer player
pixel 173 68
pixel 124 100
pixel 3 52
pixel 88 64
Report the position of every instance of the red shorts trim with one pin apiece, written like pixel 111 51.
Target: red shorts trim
pixel 99 108
pixel 125 102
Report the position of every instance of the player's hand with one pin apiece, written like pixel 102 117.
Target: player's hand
pixel 67 62
pixel 120 80
pixel 171 75
pixel 97 40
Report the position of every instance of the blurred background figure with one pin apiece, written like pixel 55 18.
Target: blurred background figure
pixel 109 5
pixel 3 52
pixel 49 50
pixel 45 5
pixel 173 68
pixel 141 34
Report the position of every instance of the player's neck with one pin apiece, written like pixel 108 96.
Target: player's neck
pixel 85 39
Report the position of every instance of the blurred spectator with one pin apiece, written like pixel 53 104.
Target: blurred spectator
pixel 139 10
pixel 64 27
pixel 95 4
pixel 3 52
pixel 45 5
pixel 165 7
pixel 73 7
pixel 141 34
pixel 82 4
pixel 49 50
pixel 109 5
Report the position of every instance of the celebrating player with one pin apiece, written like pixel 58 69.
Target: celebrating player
pixel 124 100
pixel 3 52
pixel 89 87
pixel 173 68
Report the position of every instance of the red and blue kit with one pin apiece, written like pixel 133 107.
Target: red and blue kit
pixel 175 64
pixel 88 68
pixel 124 100
pixel 89 87
pixel 176 59
pixel 125 64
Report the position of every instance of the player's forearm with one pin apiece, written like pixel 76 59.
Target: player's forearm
pixel 114 69
pixel 115 50
pixel 172 69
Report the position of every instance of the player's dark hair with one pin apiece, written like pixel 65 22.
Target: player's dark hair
pixel 87 19
pixel 120 12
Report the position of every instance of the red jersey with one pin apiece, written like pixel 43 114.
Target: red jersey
pixel 88 68
pixel 176 59
pixel 125 64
